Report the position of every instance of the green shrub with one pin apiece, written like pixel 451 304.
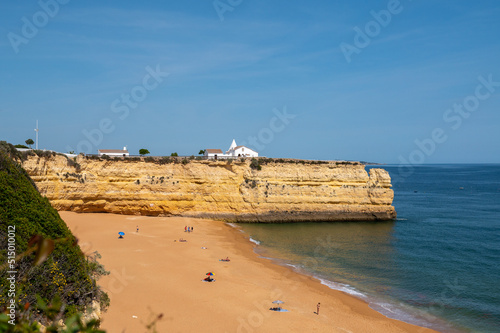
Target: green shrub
pixel 255 164
pixel 164 160
pixel 66 273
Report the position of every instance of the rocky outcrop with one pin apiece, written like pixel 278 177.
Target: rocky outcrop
pixel 231 191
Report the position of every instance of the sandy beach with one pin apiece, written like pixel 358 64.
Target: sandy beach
pixel 152 273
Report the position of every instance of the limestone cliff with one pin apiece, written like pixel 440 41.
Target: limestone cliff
pixel 279 192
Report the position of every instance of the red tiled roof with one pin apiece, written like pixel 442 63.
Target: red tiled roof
pixel 214 151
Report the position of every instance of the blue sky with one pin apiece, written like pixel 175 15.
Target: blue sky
pixel 271 74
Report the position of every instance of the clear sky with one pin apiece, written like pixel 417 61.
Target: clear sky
pixel 381 81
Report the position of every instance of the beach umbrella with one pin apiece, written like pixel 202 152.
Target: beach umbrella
pixel 210 273
pixel 121 233
pixel 279 303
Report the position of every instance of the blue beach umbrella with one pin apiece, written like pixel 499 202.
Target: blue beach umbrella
pixel 121 233
pixel 279 303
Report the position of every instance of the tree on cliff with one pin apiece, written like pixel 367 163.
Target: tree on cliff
pixel 29 142
pixel 143 152
pixel 174 154
pixel 202 152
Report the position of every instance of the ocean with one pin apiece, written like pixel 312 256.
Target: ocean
pixel 437 265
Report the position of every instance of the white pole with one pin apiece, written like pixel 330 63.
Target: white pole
pixel 36 130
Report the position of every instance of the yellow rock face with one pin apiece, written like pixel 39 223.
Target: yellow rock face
pixel 279 192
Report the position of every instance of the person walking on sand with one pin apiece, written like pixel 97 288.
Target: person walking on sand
pixel 317 308
pixel 137 229
pixel 185 228
pixel 192 229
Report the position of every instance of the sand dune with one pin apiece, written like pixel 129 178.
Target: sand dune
pixel 152 274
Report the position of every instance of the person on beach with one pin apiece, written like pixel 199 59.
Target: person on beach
pixel 317 308
pixel 189 230
pixel 137 229
pixel 185 228
pixel 192 229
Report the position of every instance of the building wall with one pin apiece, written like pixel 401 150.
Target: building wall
pixel 114 154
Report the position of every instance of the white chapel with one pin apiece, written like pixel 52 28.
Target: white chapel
pixel 234 151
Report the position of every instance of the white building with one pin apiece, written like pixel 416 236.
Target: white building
pixel 240 151
pixel 213 153
pixel 113 152
pixel 234 151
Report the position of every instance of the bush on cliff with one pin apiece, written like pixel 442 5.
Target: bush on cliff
pixel 255 164
pixel 66 274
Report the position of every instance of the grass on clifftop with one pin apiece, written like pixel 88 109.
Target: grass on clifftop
pixel 67 274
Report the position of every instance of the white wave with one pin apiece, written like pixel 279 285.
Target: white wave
pixel 254 241
pixel 408 315
pixel 237 227
pixel 342 287
pixel 387 309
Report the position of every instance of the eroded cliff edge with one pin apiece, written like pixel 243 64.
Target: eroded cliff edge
pixel 279 192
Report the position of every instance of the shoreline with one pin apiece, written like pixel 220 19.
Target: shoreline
pixel 150 269
pixel 385 306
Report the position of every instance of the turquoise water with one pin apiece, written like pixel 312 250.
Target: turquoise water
pixel 437 265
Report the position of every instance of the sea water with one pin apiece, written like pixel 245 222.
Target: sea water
pixel 437 265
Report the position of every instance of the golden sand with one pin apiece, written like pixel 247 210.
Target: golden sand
pixel 152 273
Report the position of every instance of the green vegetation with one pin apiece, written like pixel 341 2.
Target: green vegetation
pixel 29 142
pixel 164 160
pixel 21 146
pixel 52 266
pixel 202 152
pixel 143 152
pixel 174 154
pixel 255 164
